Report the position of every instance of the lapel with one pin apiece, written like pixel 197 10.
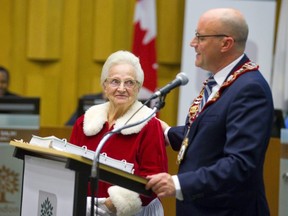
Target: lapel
pixel 243 66
pixel 239 65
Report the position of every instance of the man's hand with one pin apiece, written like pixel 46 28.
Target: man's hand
pixel 161 184
pixel 164 125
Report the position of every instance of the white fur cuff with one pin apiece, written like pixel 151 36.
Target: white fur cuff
pixel 125 201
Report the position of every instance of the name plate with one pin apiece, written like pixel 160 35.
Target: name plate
pixel 8 134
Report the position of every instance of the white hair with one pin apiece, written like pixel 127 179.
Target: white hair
pixel 120 57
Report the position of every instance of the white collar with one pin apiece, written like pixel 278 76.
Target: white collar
pixel 221 75
pixel 96 116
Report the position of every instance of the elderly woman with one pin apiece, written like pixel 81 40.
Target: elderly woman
pixel 143 145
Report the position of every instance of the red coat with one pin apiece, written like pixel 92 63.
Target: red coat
pixel 144 147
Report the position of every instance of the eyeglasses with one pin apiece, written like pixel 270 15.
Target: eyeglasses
pixel 201 37
pixel 115 83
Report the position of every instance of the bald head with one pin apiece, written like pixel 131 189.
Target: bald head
pixel 220 38
pixel 227 21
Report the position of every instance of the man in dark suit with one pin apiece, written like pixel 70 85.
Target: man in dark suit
pixel 223 142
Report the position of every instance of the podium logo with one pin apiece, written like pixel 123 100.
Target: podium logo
pixel 47 204
pixel 9 183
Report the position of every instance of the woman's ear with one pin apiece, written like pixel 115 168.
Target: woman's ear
pixel 104 90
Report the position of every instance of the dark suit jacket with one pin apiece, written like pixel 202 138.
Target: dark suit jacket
pixel 221 173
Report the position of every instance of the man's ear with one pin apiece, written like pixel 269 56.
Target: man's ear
pixel 227 44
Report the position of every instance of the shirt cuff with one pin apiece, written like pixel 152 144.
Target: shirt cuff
pixel 166 136
pixel 179 194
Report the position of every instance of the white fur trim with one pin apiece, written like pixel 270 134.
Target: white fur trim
pixel 96 116
pixel 125 201
pixel 94 119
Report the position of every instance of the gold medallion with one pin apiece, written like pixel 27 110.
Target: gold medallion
pixel 182 150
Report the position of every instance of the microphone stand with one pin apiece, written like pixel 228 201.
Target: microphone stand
pixel 94 171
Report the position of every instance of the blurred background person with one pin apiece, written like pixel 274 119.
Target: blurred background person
pixel 4 83
pixel 98 98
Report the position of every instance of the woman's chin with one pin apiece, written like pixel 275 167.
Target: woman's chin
pixel 122 102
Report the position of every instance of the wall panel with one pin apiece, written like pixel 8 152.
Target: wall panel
pixel 19 66
pixel 170 26
pixel 44 29
pixel 5 34
pixel 103 29
pixel 112 27
pixel 68 73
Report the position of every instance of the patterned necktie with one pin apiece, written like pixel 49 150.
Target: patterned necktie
pixel 207 90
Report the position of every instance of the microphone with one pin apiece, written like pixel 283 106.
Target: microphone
pixel 181 79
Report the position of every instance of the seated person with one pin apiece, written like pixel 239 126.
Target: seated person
pixel 99 98
pixel 4 83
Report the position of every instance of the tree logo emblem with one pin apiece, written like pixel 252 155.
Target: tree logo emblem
pixel 9 183
pixel 46 208
pixel 47 204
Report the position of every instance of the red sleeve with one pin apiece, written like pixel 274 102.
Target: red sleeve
pixel 152 157
pixel 77 132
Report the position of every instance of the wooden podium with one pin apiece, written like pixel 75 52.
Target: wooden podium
pixel 55 182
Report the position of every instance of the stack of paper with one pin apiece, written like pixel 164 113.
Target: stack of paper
pixel 63 145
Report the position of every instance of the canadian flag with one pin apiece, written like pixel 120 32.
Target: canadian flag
pixel 144 45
